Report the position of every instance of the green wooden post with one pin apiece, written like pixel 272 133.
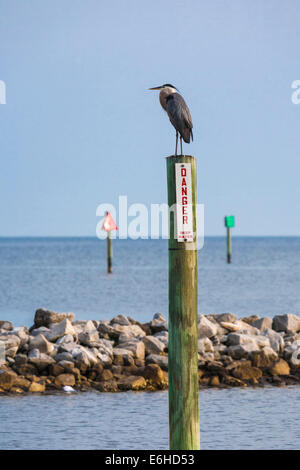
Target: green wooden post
pixel 109 253
pixel 183 335
pixel 229 223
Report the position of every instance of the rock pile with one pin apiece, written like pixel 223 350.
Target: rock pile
pixel 123 354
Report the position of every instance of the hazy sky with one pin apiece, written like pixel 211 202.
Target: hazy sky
pixel 80 127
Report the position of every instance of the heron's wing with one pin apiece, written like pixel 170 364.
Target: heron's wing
pixel 179 115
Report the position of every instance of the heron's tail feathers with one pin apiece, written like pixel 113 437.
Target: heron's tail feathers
pixel 187 135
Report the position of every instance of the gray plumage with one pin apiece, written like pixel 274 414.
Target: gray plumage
pixel 180 116
pixel 178 112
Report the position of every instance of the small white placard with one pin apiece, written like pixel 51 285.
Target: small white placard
pixel 184 203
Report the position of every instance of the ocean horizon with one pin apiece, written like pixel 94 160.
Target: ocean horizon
pixel 69 274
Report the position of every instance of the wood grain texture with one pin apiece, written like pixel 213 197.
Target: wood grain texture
pixel 109 253
pixel 183 315
pixel 228 245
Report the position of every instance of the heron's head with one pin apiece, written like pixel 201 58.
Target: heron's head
pixel 167 87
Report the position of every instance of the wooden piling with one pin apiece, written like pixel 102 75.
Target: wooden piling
pixel 109 253
pixel 183 317
pixel 228 245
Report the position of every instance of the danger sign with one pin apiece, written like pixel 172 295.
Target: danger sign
pixel 184 208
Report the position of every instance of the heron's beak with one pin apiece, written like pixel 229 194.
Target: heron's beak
pixel 156 88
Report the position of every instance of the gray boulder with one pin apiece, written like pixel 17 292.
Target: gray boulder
pixel 67 347
pixel 163 337
pixel 10 344
pixel 122 352
pixel 105 346
pixel 262 323
pixel 107 330
pixel 41 330
pixel 82 326
pixel 241 327
pixel 158 323
pixel 114 330
pixel 290 348
pixel 84 356
pixel 219 349
pixel 57 330
pixel 64 356
pixel 276 340
pixel 2 353
pixel 121 320
pixel 44 317
pixel 137 347
pixel 153 345
pixel 6 325
pixel 134 331
pixel 227 317
pixel 205 345
pixel 22 333
pixel 269 354
pixel 20 360
pixel 88 337
pixel 234 339
pixel 161 361
pixel 125 354
pixel 206 329
pixel 104 359
pixel 243 350
pixel 41 343
pixel 65 339
pixel 40 360
pixel 295 357
pixel 289 323
pixel 67 365
pixel 247 328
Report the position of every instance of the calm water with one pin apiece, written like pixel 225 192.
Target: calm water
pixel 69 275
pixel 230 419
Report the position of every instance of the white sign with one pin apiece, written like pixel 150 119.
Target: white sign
pixel 184 203
pixel 2 92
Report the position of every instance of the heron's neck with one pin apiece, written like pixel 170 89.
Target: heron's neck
pixel 163 95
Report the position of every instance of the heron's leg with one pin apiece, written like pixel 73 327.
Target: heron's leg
pixel 176 142
pixel 181 144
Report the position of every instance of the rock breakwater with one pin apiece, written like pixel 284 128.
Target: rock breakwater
pixel 61 353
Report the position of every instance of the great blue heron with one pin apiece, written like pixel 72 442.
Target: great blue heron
pixel 178 112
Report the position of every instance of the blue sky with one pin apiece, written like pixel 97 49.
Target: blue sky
pixel 80 127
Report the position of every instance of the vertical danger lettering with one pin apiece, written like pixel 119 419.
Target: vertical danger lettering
pixel 184 218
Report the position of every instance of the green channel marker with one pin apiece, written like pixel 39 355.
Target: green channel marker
pixel 229 223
